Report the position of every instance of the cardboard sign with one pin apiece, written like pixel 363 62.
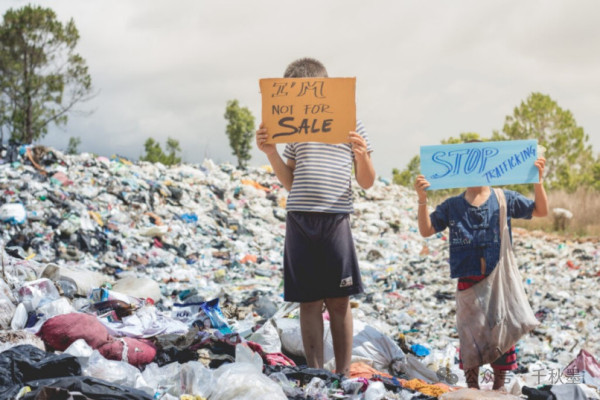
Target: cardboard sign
pixel 308 109
pixel 480 164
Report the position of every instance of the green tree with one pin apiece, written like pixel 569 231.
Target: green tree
pixel 73 147
pixel 596 174
pixel 569 158
pixel 172 150
pixel 464 138
pixel 240 130
pixel 42 78
pixel 154 152
pixel 407 176
pixel 3 118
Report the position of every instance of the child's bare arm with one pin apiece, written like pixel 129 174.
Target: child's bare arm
pixel 541 200
pixel 283 171
pixel 364 171
pixel 426 229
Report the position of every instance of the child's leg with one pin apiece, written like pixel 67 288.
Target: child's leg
pixel 311 326
pixel 499 378
pixel 340 318
pixel 506 362
pixel 472 377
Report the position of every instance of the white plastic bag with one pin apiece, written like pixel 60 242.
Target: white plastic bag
pixel 86 280
pixel 142 287
pixel 241 381
pixel 19 319
pixel 368 343
pixel 80 349
pixel 244 354
pixel 7 309
pixel 375 391
pixel 196 379
pixel 494 314
pixel 165 379
pixel 267 337
pixel 13 213
pixel 118 372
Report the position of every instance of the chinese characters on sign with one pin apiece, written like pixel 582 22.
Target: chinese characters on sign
pixel 554 376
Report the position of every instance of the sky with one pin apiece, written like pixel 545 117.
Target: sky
pixel 425 70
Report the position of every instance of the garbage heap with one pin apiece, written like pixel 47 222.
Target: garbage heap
pixel 138 281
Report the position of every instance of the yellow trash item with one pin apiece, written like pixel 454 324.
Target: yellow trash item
pixel 96 217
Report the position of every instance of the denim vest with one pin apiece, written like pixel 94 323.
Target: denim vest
pixel 475 231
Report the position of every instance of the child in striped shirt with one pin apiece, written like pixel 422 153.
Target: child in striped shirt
pixel 320 263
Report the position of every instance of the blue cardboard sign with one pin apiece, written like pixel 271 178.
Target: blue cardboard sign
pixel 480 164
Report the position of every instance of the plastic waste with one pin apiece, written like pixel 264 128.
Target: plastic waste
pixel 67 286
pixel 352 386
pixel 196 379
pixel 368 343
pixel 243 354
pixel 202 315
pixel 316 388
pixel 267 337
pixel 241 381
pixel 10 339
pixel 165 379
pixel 288 387
pixel 375 391
pixel 142 287
pixel 223 238
pixel 36 293
pixel 420 350
pixel 245 326
pixel 13 213
pixel 51 309
pixel 104 294
pixel 80 349
pixel 154 231
pixel 19 318
pixel 189 218
pixel 118 372
pixel 217 319
pixel 7 310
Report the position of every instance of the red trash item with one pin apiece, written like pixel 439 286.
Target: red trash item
pixel 249 258
pixel 584 362
pixel 137 352
pixel 62 178
pixel 572 265
pixel 271 358
pixel 60 331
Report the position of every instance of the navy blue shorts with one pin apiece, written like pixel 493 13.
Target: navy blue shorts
pixel 319 258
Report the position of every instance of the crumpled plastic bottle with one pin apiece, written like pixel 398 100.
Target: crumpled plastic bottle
pixel 36 293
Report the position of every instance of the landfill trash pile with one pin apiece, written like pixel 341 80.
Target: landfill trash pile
pixel 140 281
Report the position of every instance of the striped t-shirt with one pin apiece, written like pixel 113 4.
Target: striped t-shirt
pixel 322 176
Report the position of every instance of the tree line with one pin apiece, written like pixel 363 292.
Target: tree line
pixel 43 80
pixel 570 161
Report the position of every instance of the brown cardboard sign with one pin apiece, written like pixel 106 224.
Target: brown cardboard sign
pixel 308 109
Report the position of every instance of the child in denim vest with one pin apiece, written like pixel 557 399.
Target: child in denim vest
pixel 473 220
